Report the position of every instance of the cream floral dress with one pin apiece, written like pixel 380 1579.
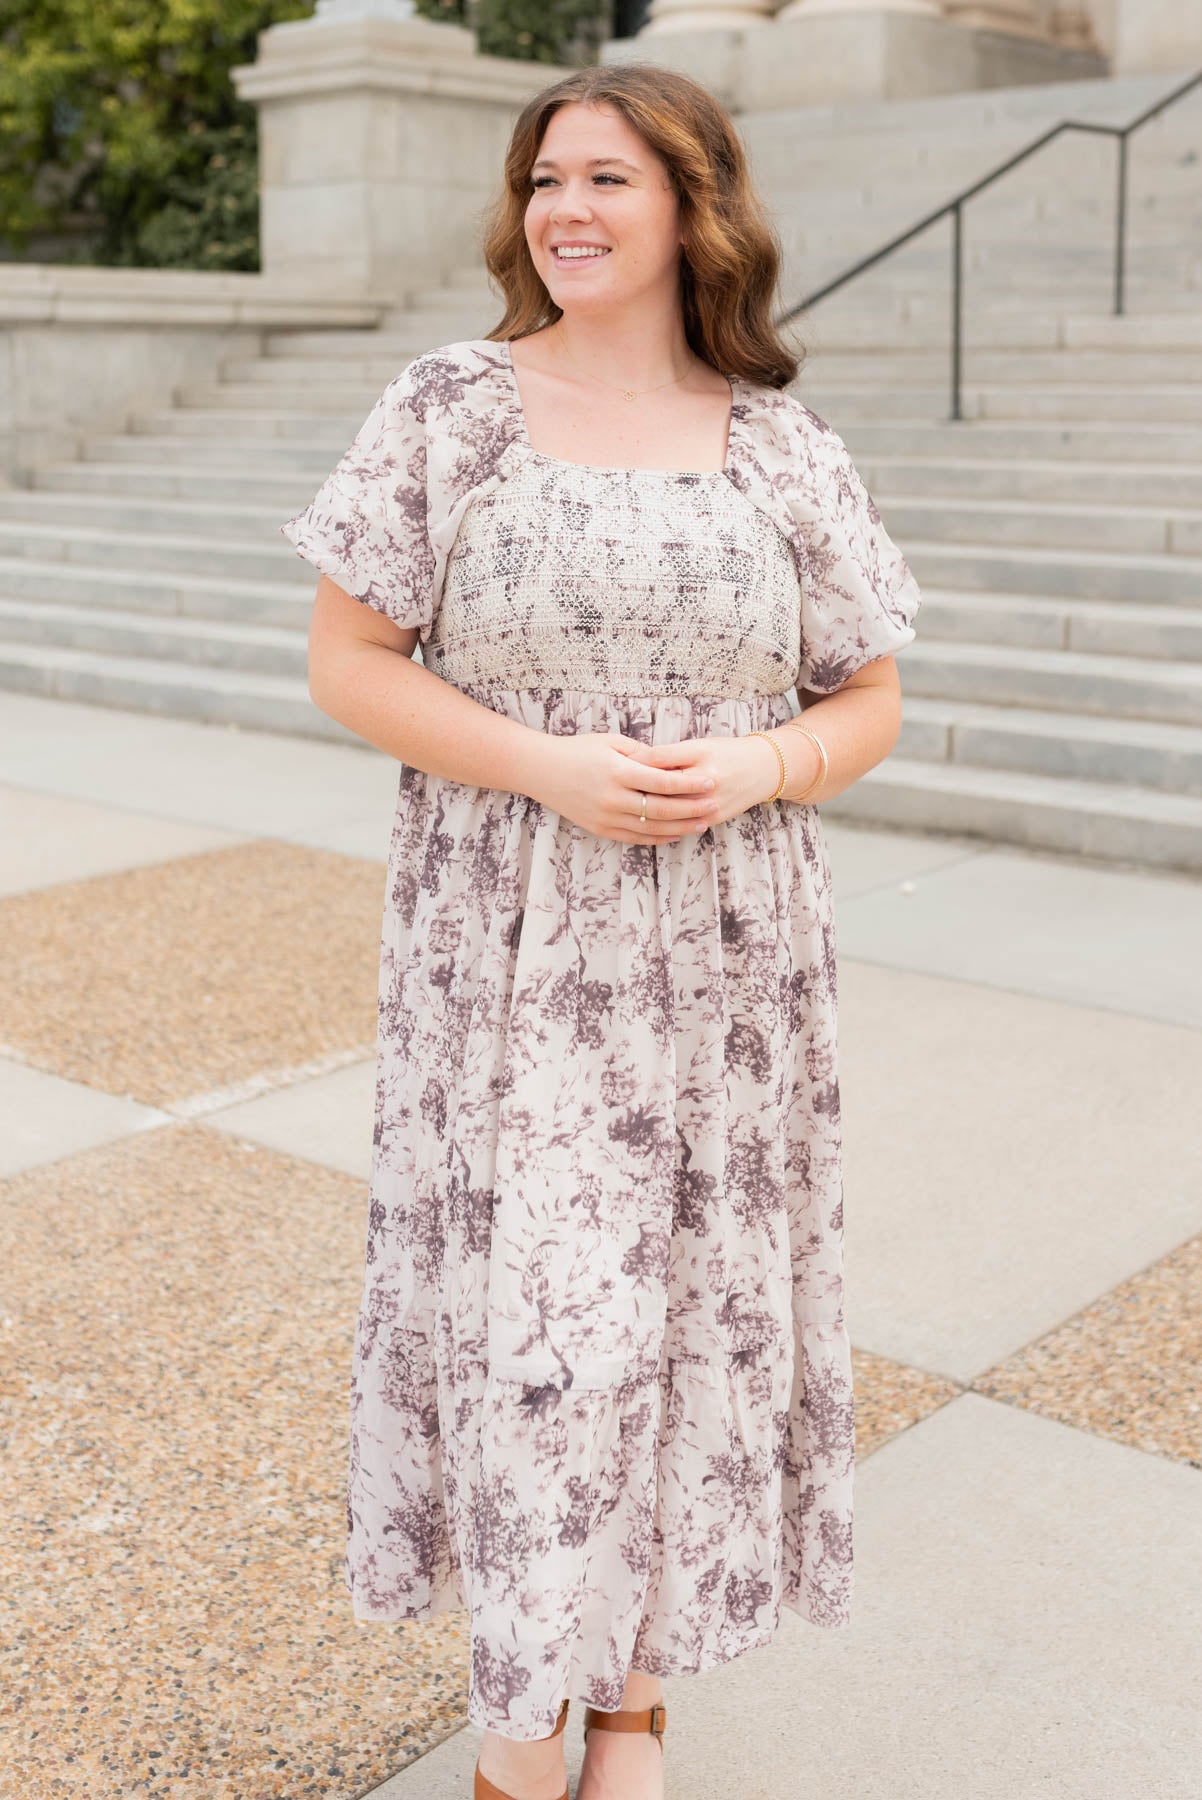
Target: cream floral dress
pixel 601 1390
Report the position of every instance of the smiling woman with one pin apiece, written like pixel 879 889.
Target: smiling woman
pixel 602 1379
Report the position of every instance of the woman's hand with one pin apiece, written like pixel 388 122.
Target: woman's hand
pixel 597 779
pixel 744 769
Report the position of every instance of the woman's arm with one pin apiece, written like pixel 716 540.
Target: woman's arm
pixel 859 726
pixel 362 673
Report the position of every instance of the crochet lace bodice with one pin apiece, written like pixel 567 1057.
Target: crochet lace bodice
pixel 621 581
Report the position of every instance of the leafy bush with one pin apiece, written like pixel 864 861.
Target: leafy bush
pixel 120 126
pixel 121 135
pixel 546 31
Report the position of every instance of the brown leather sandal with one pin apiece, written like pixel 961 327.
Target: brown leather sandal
pixel 488 1790
pixel 647 1718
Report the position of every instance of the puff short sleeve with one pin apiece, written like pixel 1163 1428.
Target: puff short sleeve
pixel 859 597
pixel 367 525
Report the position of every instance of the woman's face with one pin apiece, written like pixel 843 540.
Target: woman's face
pixel 597 185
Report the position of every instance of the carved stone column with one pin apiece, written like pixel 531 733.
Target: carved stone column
pixel 808 9
pixel 1072 25
pixel 705 15
pixel 365 9
pixel 1018 17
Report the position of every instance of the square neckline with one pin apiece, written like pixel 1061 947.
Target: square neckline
pixel 619 468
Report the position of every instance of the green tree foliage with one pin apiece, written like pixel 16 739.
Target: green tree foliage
pixel 120 128
pixel 546 31
pixel 119 122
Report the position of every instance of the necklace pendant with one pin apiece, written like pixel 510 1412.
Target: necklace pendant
pixel 627 395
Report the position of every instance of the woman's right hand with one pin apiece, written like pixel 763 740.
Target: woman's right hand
pixel 597 779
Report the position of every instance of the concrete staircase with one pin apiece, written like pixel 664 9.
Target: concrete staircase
pixel 1054 693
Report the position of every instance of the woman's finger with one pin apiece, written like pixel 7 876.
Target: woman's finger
pixel 651 780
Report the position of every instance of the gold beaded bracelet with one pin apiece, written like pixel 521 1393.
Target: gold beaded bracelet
pixel 824 762
pixel 780 757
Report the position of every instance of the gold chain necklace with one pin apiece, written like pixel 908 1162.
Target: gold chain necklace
pixel 626 393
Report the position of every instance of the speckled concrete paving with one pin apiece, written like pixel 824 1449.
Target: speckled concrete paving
pixel 178 1313
pixel 189 975
pixel 187 969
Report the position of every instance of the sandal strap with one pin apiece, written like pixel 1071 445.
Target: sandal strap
pixel 485 1789
pixel 647 1718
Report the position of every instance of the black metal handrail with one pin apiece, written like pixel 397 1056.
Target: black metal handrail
pixel 955 208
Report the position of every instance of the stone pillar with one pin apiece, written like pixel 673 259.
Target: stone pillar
pixel 705 15
pixel 1019 18
pixel 1072 25
pixel 807 9
pixel 381 141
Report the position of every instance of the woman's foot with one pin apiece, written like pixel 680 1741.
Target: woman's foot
pixel 625 1765
pixel 533 1770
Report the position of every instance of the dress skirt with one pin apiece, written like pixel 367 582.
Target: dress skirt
pixel 602 1386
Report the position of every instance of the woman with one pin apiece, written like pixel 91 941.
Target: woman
pixel 602 1389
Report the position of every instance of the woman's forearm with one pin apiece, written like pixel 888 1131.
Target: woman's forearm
pixel 858 726
pixel 402 708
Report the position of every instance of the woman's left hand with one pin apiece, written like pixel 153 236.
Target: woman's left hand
pixel 744 769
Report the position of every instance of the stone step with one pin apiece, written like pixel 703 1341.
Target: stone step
pixel 1114 822
pixel 1040 439
pixel 1066 681
pixel 1102 627
pixel 278 490
pixel 1090 575
pixel 317 454
pixel 1148 530
pixel 1180 403
pixel 837 324
pixel 156 552
pixel 200 642
pixel 1130 752
pixel 233 429
pixel 236 521
pixel 1057 403
pixel 1177 485
pixel 173 592
pixel 144 684
pixel 1105 331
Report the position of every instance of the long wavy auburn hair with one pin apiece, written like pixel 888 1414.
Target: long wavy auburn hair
pixel 731 258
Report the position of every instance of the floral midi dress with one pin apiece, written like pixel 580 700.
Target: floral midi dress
pixel 601 1392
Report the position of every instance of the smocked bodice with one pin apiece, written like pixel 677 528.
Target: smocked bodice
pixel 618 581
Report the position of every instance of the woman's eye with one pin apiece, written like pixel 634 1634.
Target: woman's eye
pixel 542 180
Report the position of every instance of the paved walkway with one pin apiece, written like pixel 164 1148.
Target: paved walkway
pixel 187 964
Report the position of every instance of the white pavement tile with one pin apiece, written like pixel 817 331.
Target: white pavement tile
pixel 359 834
pixel 43 1117
pixel 1121 939
pixel 45 839
pixel 864 859
pixel 1026 1625
pixel 1007 1159
pixel 257 783
pixel 328 1119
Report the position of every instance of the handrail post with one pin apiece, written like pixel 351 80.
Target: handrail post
pixel 1120 246
pixel 957 304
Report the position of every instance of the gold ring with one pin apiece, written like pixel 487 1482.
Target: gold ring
pixel 643 814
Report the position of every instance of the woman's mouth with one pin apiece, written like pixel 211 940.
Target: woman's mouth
pixel 574 253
